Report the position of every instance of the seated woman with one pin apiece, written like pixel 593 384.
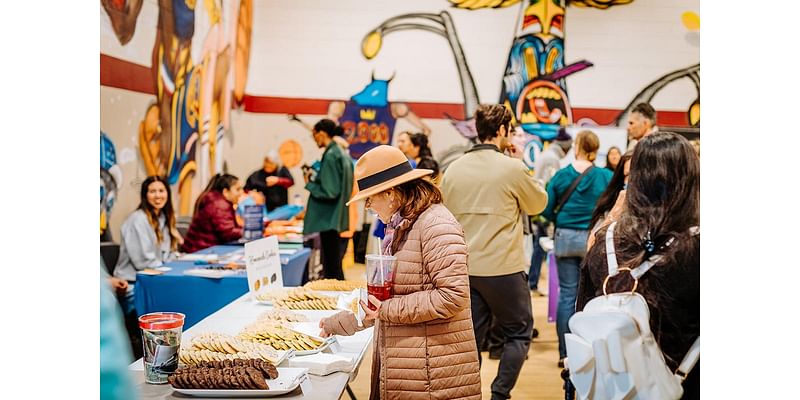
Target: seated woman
pixel 424 343
pixel 149 237
pixel 660 222
pixel 214 220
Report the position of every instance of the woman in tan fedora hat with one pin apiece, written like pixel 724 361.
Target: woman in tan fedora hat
pixel 424 345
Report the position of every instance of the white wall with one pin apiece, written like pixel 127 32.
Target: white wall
pixel 312 49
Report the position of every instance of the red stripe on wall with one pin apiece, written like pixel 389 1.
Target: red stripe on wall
pixel 607 117
pixel 125 75
pixel 122 74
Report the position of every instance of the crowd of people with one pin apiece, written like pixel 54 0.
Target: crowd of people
pixel 458 235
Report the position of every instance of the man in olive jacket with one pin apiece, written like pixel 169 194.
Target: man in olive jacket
pixel 329 191
pixel 487 191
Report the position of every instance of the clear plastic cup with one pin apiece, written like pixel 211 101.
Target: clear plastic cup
pixel 380 276
pixel 161 339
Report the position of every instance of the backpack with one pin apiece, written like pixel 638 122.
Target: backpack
pixel 612 354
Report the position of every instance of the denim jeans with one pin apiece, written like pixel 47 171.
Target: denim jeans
pixel 539 231
pixel 570 248
pixel 568 274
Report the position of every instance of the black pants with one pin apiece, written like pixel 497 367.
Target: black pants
pixel 507 299
pixel 331 254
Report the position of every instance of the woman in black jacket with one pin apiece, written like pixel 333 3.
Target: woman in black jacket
pixel 661 217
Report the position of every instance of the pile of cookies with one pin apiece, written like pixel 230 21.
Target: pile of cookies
pixel 279 337
pixel 335 285
pixel 282 316
pixel 220 347
pixel 236 374
pixel 305 299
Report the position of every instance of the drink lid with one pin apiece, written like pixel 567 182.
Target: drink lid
pixel 161 320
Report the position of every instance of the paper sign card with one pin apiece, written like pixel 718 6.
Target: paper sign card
pixel 263 265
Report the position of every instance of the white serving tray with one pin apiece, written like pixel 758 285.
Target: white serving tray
pixel 288 380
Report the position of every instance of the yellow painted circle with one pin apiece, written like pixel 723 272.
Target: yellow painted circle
pixel 691 20
pixel 371 44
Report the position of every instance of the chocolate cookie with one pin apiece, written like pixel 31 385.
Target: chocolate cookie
pixel 258 378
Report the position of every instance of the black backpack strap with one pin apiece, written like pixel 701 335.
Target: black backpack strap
pixel 571 189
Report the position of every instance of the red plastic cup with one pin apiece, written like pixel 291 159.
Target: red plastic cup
pixel 380 276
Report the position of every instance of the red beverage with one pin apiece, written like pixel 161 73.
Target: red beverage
pixel 381 292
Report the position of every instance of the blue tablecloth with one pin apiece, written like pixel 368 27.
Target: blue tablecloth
pixel 198 297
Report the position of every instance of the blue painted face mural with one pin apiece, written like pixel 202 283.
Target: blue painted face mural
pixel 367 119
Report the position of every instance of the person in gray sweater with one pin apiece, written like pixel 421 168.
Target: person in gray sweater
pixel 149 237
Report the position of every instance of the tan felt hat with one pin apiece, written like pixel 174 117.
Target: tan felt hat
pixel 381 168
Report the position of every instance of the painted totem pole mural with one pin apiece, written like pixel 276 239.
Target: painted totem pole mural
pixel 193 101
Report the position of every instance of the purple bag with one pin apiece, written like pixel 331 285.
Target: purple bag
pixel 552 284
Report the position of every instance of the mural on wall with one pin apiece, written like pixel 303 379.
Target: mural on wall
pixel 368 118
pixel 647 94
pixel 182 131
pixel 534 86
pixel 442 25
pixel 110 180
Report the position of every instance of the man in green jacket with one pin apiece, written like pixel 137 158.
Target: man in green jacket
pixel 487 191
pixel 329 191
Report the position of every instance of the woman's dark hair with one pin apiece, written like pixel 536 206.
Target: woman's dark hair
pixel 329 127
pixel 429 163
pixel 152 214
pixel 606 201
pixel 421 140
pixel 608 154
pixel 662 200
pixel 217 183
pixel 415 196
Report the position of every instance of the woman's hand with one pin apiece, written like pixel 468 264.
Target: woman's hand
pixel 120 285
pixel 323 332
pixel 341 323
pixel 370 313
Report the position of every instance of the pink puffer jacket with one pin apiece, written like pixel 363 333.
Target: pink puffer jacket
pixel 424 345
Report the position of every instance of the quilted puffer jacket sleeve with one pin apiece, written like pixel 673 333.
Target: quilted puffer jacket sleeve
pixel 444 259
pixel 343 323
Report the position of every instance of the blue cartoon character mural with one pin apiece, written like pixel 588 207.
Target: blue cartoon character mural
pixel 110 179
pixel 368 118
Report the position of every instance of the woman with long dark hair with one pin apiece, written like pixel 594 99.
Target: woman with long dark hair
pixel 424 343
pixel 214 219
pixel 660 222
pixel 149 236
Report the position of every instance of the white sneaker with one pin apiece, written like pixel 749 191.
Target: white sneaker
pixel 547 243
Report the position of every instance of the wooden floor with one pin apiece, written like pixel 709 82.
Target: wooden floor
pixel 539 378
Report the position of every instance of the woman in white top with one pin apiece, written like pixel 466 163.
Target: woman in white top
pixel 149 237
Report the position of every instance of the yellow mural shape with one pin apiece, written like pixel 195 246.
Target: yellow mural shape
pixel 371 45
pixel 691 20
pixel 476 4
pixel 694 114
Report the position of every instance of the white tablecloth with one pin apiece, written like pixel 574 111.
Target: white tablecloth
pixel 241 312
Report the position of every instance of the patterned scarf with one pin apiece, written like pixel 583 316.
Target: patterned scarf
pixel 395 222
